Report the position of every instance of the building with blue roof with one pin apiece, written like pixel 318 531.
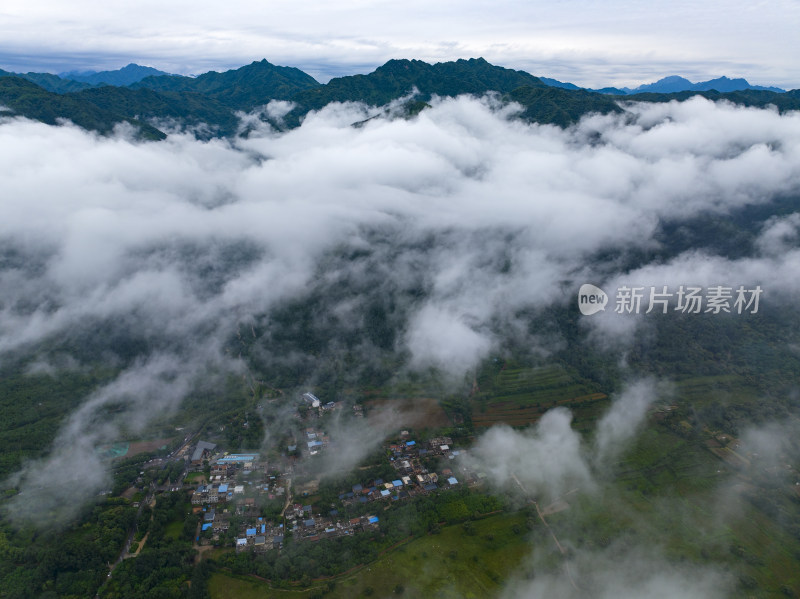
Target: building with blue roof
pixel 238 458
pixel 397 483
pixel 251 532
pixel 452 480
pixel 373 519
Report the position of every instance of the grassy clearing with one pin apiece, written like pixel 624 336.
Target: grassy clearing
pixel 193 477
pixel 174 529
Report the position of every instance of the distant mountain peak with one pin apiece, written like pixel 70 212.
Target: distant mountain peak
pixel 127 75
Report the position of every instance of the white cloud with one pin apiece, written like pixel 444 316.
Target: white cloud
pixel 466 217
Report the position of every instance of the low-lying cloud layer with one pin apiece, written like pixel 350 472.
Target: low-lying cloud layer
pixel 457 220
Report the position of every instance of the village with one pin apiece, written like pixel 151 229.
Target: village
pixel 253 503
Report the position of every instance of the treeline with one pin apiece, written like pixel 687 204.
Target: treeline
pixel 165 566
pixel 64 563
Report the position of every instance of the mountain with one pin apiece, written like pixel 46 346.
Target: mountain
pixel 671 85
pixel 397 78
pixel 559 106
pixel 27 99
pixel 240 89
pixel 49 82
pixel 611 91
pixel 208 104
pixel 723 84
pixel 127 75
pixel 189 108
pixel 676 84
pixel 667 85
pixel 557 83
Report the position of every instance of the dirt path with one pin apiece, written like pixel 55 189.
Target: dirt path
pixel 552 532
pixel 140 547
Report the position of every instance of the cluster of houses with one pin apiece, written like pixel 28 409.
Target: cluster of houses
pixel 413 478
pixel 308 526
pixel 236 484
pixel 237 480
pixel 261 536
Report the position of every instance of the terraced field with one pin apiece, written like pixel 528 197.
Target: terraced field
pixel 519 396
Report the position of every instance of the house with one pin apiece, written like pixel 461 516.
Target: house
pixel 312 399
pixel 221 524
pixel 202 452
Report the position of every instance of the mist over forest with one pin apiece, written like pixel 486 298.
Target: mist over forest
pixel 370 249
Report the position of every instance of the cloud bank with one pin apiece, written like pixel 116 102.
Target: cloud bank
pixel 447 227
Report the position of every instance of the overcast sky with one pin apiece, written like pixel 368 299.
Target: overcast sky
pixel 591 43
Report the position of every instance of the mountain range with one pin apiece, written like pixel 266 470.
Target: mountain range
pixel 146 98
pixel 127 75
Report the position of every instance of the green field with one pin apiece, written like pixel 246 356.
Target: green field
pixel 519 396
pixel 449 564
pixel 673 489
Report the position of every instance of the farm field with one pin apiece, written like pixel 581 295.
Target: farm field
pixel 419 412
pixel 520 396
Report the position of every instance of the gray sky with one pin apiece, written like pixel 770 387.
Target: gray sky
pixel 591 43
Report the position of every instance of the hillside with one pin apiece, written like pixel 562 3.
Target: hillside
pixel 29 100
pixel 240 89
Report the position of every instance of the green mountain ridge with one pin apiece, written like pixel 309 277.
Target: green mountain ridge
pixel 27 99
pixel 212 99
pixel 240 89
pixel 49 82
